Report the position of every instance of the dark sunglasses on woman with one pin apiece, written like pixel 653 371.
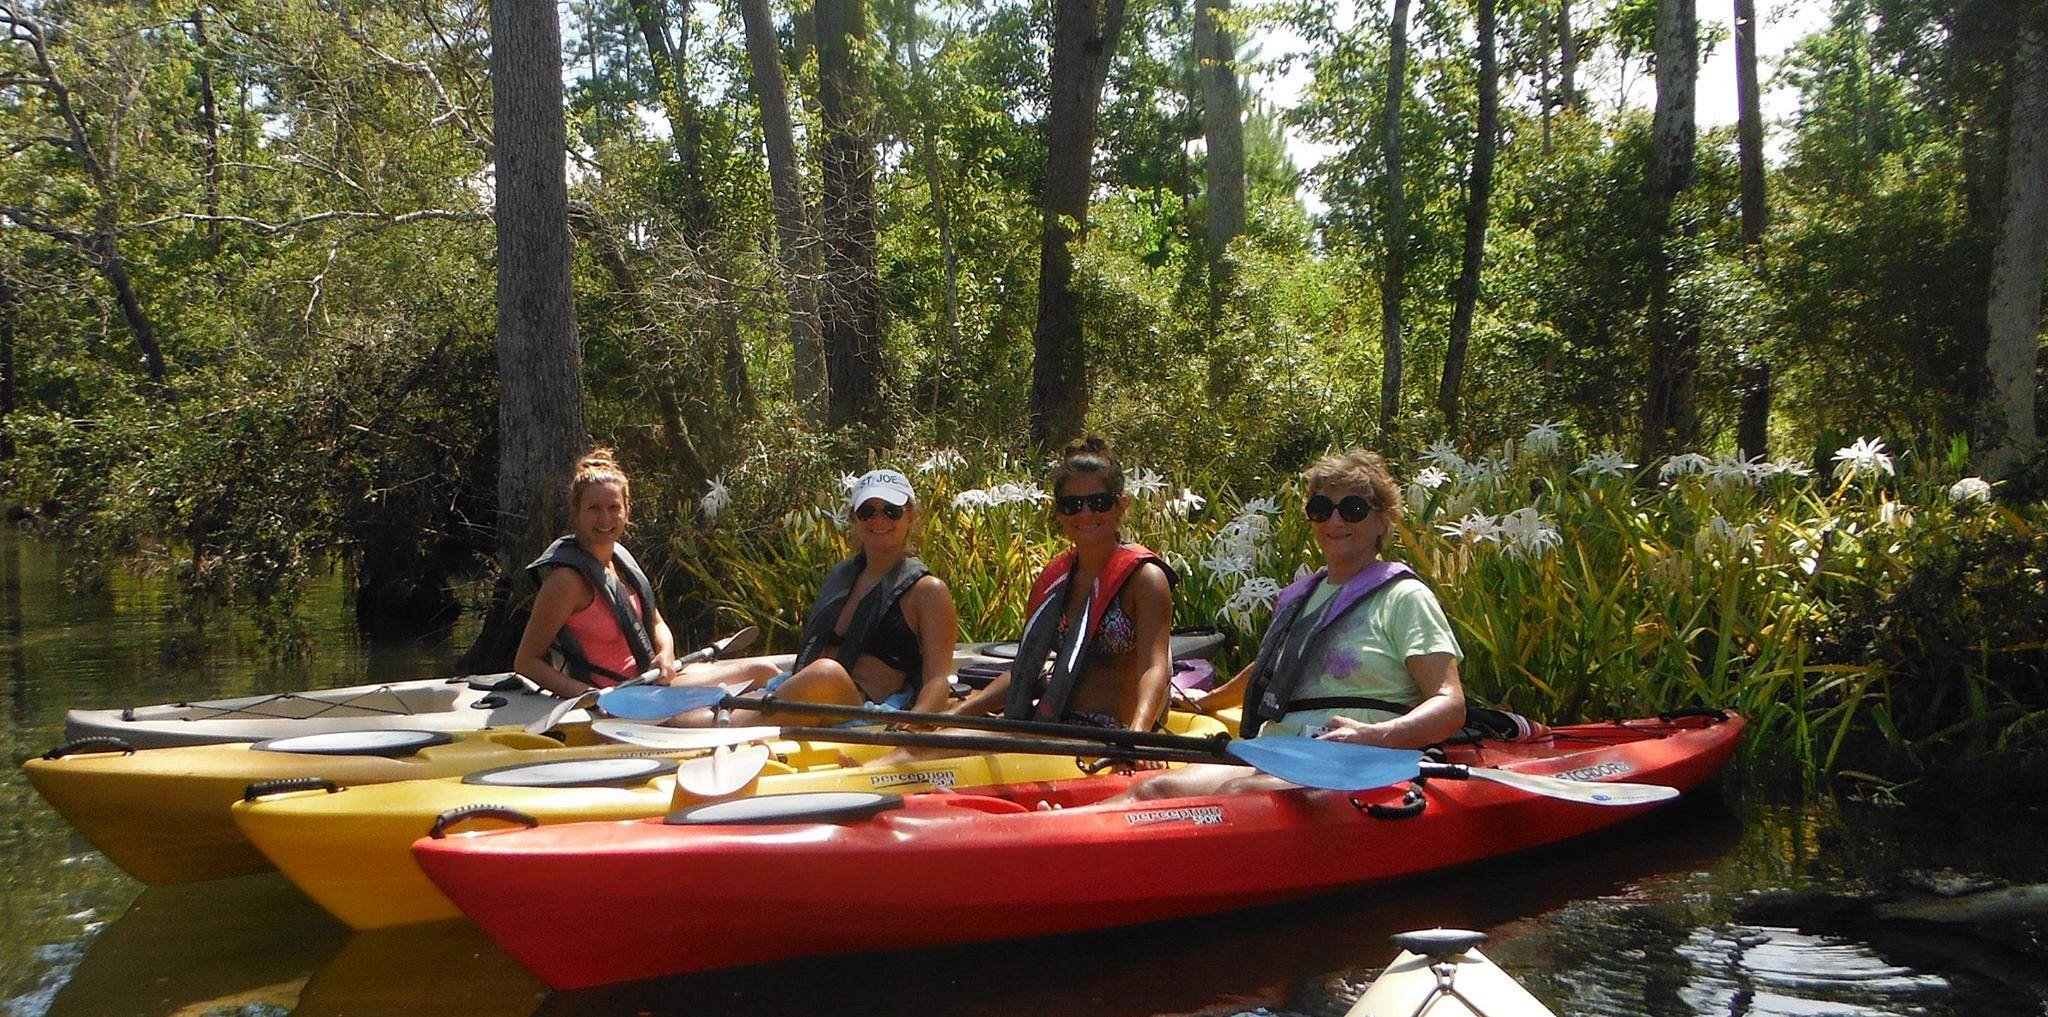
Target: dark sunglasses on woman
pixel 1353 508
pixel 867 511
pixel 1071 504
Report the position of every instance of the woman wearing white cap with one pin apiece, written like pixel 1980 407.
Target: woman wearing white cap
pixel 881 632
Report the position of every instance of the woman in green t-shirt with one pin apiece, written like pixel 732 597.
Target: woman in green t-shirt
pixel 1359 652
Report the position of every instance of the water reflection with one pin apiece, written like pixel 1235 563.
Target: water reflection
pixel 447 969
pixel 225 945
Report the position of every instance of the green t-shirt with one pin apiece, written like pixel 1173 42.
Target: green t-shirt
pixel 1366 653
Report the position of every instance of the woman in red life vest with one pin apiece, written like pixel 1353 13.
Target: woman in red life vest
pixel 1094 649
pixel 595 608
pixel 1360 651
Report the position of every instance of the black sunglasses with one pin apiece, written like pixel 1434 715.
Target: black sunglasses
pixel 1353 508
pixel 867 511
pixel 1071 504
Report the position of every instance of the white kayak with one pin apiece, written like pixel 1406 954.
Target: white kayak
pixel 1441 973
pixel 461 703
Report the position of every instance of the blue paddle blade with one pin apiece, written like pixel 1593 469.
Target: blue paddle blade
pixel 1335 766
pixel 653 702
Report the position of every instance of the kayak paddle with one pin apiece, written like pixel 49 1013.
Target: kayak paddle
pixel 663 701
pixel 1310 762
pixel 738 641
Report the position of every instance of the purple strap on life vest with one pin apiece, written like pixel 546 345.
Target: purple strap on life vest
pixel 1357 588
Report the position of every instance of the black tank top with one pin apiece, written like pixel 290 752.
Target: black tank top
pixel 893 643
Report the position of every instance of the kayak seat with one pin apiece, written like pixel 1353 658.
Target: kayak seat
pixel 805 807
pixel 395 743
pixel 605 771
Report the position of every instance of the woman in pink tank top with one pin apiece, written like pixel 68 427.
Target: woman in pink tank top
pixel 599 506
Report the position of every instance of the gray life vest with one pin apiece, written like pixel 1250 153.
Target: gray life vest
pixel 1279 669
pixel 566 552
pixel 818 627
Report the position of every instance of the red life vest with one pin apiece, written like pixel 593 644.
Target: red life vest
pixel 1029 696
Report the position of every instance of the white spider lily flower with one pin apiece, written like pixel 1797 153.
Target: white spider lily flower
pixel 974 498
pixel 1016 494
pixel 1250 528
pixel 1970 490
pixel 1544 438
pixel 1440 453
pixel 944 460
pixel 1786 467
pixel 1894 515
pixel 1474 528
pixel 1259 507
pixel 1255 593
pixel 1431 478
pixel 1720 534
pixel 848 482
pixel 1684 464
pixel 716 500
pixel 1226 562
pixel 1526 533
pixel 1606 464
pixel 1730 469
pixel 1303 571
pixel 1867 455
pixel 1484 470
pixel 1187 503
pixel 1142 482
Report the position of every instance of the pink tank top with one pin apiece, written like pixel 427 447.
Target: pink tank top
pixel 597 631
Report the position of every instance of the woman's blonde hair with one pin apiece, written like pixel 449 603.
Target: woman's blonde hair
pixel 1356 470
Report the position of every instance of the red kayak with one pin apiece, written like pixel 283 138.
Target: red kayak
pixel 587 904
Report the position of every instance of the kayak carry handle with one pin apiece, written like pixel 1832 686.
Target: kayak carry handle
pixel 464 813
pixel 263 788
pixel 1438 944
pixel 1711 713
pixel 92 743
pixel 490 702
pixel 1411 805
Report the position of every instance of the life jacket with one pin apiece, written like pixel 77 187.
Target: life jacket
pixel 818 627
pixel 566 552
pixel 1278 670
pixel 1047 697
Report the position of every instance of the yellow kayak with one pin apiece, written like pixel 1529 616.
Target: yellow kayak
pixel 162 814
pixel 350 849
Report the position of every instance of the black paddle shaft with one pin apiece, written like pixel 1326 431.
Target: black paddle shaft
pixel 1209 747
pixel 997 743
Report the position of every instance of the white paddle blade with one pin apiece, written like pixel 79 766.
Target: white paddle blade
pixel 560 710
pixel 680 739
pixel 1592 792
pixel 725 772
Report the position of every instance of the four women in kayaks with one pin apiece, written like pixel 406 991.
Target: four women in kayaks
pixel 1359 652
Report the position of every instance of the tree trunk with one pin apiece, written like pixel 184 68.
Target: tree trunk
pixel 1753 428
pixel 2006 441
pixel 1084 41
pixel 540 402
pixel 796 233
pixel 1395 235
pixel 1222 127
pixel 10 319
pixel 1670 418
pixel 1223 133
pixel 209 129
pixel 1548 94
pixel 1478 203
pixel 852 304
pixel 1567 58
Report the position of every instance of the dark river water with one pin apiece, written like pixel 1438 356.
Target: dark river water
pixel 1733 902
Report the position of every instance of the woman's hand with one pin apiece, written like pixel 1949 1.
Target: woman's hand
pixel 1355 732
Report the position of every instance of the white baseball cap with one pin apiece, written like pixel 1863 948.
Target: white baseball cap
pixel 890 486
